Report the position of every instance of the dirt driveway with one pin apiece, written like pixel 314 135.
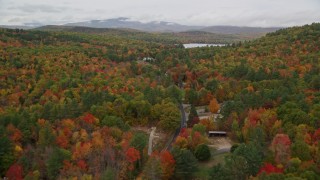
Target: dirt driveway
pixel 220 143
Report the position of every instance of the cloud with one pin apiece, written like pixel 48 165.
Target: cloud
pixel 190 12
pixel 30 8
pixel 15 20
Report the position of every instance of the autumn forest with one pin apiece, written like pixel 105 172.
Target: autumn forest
pixel 79 104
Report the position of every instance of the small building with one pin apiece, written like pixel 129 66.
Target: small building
pixel 205 116
pixel 217 134
pixel 148 59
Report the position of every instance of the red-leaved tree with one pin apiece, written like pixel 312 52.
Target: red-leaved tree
pixel 132 155
pixel 269 168
pixel 281 147
pixel 15 172
pixel 82 164
pixel 89 118
pixel 167 164
pixel 316 135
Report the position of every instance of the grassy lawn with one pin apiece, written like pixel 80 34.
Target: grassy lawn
pixel 203 173
pixel 204 167
pixel 213 161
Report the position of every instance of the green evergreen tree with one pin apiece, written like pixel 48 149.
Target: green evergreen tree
pixel 55 161
pixel 186 164
pixel 202 152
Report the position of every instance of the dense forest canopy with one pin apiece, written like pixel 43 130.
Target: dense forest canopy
pixel 190 36
pixel 71 102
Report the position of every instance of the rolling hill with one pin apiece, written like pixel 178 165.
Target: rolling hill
pixel 196 36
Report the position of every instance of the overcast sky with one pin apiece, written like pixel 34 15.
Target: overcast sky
pixel 262 13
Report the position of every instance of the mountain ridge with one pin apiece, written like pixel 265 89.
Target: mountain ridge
pixel 153 26
pixel 165 26
pixel 158 26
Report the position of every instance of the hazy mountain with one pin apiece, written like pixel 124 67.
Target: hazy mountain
pixel 238 30
pixel 84 29
pixel 18 27
pixel 162 26
pixel 154 26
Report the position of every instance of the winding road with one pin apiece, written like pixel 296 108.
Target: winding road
pixel 183 124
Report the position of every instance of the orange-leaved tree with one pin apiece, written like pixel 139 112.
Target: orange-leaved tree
pixel 214 105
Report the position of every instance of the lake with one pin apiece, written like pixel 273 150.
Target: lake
pixel 194 45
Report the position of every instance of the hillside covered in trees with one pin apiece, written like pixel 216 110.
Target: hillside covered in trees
pixel 191 36
pixel 71 101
